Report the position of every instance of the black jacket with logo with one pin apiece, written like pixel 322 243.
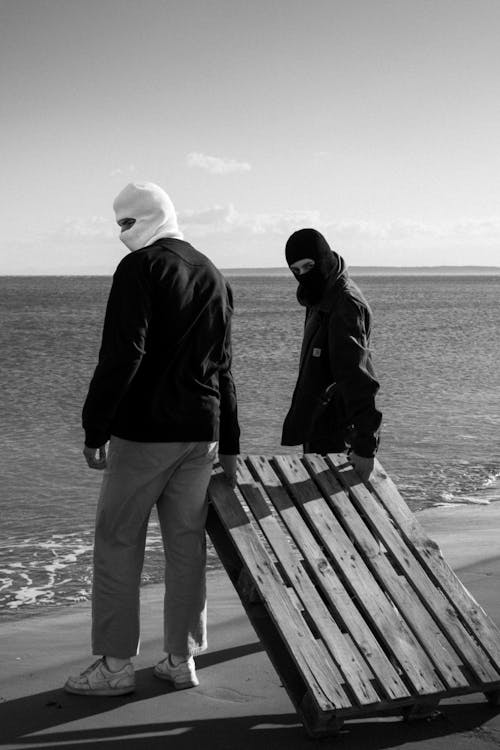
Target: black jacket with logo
pixel 334 399
pixel 164 369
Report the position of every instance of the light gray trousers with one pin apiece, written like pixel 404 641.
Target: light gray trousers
pixel 175 477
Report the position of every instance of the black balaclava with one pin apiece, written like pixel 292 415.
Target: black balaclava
pixel 309 243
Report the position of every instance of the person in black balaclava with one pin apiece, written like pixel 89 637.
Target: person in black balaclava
pixel 333 404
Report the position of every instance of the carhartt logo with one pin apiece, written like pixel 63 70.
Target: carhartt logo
pixel 316 352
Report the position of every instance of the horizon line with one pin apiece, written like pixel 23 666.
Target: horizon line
pixel 269 269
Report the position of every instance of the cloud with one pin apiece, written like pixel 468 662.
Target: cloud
pixel 488 227
pixel 123 172
pixel 208 216
pixel 208 220
pixel 215 164
pixel 95 227
pixel 233 238
pixel 361 235
pixel 321 156
pixel 415 233
pixel 282 223
pixel 227 218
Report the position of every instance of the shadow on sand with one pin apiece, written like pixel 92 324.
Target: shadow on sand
pixel 22 719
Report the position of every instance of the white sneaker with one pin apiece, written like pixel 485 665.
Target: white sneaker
pixel 99 680
pixel 183 675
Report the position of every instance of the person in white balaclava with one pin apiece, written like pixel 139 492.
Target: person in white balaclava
pixel 145 214
pixel 160 406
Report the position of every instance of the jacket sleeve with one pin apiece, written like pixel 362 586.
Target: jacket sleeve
pixel 125 328
pixel 229 431
pixel 356 383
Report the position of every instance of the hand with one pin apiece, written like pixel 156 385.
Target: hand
pixel 363 466
pixel 95 457
pixel 229 465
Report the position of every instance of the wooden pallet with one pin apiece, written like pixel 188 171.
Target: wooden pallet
pixel 356 607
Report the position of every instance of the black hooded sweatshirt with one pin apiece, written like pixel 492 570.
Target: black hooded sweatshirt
pixel 333 404
pixel 164 370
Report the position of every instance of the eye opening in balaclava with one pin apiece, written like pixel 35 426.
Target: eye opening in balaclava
pixel 126 223
pixel 305 265
pixel 153 213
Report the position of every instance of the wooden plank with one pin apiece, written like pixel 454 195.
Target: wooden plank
pixel 355 672
pixel 262 623
pixel 318 674
pixel 318 726
pixel 431 597
pixel 424 627
pixel 384 617
pixel 430 556
pixel 339 600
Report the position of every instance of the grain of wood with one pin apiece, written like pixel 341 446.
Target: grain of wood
pixel 384 618
pixel 336 594
pixel 317 672
pixel 429 555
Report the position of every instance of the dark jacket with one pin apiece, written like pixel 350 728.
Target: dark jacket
pixel 164 370
pixel 334 398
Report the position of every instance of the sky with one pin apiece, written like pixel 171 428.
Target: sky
pixel 375 121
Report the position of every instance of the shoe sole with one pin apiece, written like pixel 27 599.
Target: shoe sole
pixel 177 685
pixel 101 692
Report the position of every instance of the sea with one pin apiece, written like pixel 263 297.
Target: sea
pixel 436 344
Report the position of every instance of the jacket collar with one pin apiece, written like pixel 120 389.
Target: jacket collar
pixel 336 281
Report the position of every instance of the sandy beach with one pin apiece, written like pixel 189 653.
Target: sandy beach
pixel 240 702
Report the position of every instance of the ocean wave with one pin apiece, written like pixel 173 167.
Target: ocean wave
pixel 451 501
pixel 493 480
pixel 487 492
pixel 37 572
pixel 45 569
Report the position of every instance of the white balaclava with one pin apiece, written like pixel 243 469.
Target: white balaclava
pixel 153 211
